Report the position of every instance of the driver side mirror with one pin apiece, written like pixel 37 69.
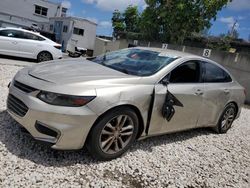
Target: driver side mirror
pixel 165 81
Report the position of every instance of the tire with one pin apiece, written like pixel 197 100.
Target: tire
pixel 227 118
pixel 44 56
pixel 113 135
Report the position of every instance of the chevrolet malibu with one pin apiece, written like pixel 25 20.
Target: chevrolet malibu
pixel 108 102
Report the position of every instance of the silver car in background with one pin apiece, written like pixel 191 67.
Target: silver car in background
pixel 109 101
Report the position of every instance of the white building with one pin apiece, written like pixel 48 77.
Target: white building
pixel 103 45
pixel 73 31
pixel 25 13
pixel 49 17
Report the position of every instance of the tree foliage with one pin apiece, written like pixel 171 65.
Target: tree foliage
pixel 179 18
pixel 234 34
pixel 131 19
pixel 169 20
pixel 126 22
pixel 118 23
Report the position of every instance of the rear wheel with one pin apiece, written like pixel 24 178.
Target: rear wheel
pixel 113 134
pixel 226 119
pixel 44 56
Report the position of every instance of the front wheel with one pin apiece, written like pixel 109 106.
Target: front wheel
pixel 113 134
pixel 44 56
pixel 226 119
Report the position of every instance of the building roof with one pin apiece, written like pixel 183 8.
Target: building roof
pixel 74 18
pixel 104 40
pixel 49 1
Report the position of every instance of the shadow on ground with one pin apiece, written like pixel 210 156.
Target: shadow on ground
pixel 18 58
pixel 25 147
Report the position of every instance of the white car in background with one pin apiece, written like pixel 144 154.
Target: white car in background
pixel 28 44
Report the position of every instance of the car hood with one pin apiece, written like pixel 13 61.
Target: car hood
pixel 72 71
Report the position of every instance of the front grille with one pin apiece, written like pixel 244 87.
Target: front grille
pixel 23 87
pixel 16 106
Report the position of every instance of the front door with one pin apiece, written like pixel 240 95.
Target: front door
pixel 187 90
pixel 29 44
pixel 8 42
pixel 58 31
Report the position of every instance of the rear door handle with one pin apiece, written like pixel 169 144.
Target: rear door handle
pixel 199 92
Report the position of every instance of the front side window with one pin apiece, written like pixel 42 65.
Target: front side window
pixel 135 61
pixel 214 74
pixel 188 72
pixel 31 36
pixel 11 33
pixel 78 31
pixel 41 10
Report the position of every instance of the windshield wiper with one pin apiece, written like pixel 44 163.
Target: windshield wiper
pixel 124 71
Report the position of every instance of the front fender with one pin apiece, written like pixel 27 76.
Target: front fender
pixel 138 96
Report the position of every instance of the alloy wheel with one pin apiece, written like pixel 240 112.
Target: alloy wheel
pixel 44 57
pixel 116 134
pixel 228 118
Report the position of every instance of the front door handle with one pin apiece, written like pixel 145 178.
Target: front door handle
pixel 226 91
pixel 14 42
pixel 199 92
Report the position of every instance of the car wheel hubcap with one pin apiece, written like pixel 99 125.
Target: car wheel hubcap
pixel 45 57
pixel 227 119
pixel 116 134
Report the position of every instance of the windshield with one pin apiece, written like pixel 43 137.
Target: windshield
pixel 135 61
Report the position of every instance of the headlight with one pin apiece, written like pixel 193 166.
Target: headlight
pixel 63 100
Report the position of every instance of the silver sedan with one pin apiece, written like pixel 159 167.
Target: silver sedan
pixel 108 102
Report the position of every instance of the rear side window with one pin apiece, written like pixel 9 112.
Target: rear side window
pixel 11 33
pixel 188 72
pixel 214 74
pixel 31 36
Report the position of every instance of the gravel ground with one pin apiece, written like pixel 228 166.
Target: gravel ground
pixel 197 158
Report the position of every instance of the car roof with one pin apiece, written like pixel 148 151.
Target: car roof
pixel 170 52
pixel 185 55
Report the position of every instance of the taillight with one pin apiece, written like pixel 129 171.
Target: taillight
pixel 59 47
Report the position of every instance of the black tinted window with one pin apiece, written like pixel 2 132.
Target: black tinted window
pixel 186 73
pixel 41 10
pixel 31 36
pixel 11 33
pixel 78 31
pixel 65 28
pixel 214 74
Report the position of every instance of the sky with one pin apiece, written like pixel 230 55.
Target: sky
pixel 100 11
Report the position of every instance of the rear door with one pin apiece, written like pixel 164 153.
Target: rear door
pixel 186 88
pixel 217 93
pixel 8 42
